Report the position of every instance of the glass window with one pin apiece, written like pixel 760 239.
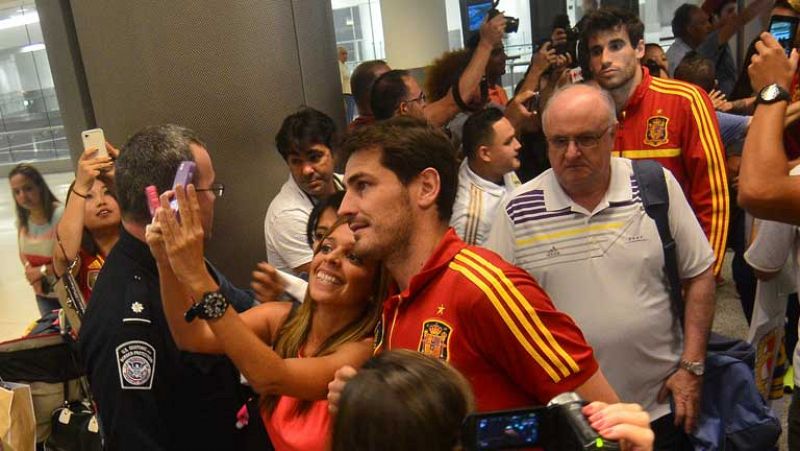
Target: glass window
pixel 30 120
pixel 358 28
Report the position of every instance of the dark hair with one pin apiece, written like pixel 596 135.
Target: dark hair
pixel 652 45
pixel 402 400
pixel 46 196
pixel 444 73
pixel 408 146
pixel 303 129
pixel 696 69
pixel 150 157
pixel 387 93
pixel 682 19
pixel 88 244
pixel 333 201
pixel 361 81
pixel 479 130
pixel 609 18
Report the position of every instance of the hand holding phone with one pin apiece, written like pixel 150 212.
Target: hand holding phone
pixel 95 138
pixel 784 29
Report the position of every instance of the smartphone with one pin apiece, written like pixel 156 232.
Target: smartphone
pixel 784 30
pixel 504 429
pixel 183 177
pixel 95 138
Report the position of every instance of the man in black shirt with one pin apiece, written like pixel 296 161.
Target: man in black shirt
pixel 149 394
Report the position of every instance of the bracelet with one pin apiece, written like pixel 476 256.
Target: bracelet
pixel 82 196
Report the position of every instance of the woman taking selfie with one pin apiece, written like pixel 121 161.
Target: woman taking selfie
pixel 90 225
pixel 287 353
pixel 38 212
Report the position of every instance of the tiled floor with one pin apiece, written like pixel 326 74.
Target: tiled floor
pixel 17 302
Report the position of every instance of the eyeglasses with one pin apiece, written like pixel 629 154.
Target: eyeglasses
pixel 583 142
pixel 217 188
pixel 421 98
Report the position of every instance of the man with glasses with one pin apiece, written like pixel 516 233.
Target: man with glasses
pixel 149 394
pixel 668 121
pixel 397 92
pixel 581 231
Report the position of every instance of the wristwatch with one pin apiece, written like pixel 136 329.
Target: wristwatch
pixel 696 368
pixel 211 306
pixel 771 94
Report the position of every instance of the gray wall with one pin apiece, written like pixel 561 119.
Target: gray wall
pixel 230 70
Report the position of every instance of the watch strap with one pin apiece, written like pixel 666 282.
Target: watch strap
pixel 771 94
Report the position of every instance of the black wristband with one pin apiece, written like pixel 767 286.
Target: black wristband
pixel 83 196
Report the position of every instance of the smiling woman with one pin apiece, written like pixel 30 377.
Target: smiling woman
pixel 288 353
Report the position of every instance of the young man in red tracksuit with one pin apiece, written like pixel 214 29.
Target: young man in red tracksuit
pixel 669 121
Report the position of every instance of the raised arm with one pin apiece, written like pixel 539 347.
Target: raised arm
pixel 243 337
pixel 70 229
pixel 765 188
pixel 730 27
pixel 440 112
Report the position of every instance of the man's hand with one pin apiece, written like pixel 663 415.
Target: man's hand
pixel 719 101
pixel 627 423
pixel 183 241
pixel 685 388
pixel 770 65
pixel 518 114
pixel 543 58
pixel 558 37
pixel 267 283
pixel 336 386
pixel 492 31
pixel 155 240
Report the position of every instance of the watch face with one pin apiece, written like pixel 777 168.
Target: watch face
pixel 770 93
pixel 214 305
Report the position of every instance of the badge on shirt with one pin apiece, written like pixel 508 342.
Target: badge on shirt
pixel 656 133
pixel 136 362
pixel 435 338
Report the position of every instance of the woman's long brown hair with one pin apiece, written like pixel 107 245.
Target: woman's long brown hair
pixel 294 332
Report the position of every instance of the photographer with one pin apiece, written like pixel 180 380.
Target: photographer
pixel 404 400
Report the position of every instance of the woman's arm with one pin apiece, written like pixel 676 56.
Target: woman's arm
pixel 241 337
pixel 69 230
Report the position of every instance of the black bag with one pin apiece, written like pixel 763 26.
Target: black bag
pixel 733 415
pixel 74 428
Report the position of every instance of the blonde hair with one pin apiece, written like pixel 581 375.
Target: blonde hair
pixel 293 334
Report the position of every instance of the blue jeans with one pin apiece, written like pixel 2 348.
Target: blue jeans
pixel 46 305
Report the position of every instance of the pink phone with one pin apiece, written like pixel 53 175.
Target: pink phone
pixel 183 177
pixel 151 193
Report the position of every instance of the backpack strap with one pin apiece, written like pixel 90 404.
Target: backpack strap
pixel 649 176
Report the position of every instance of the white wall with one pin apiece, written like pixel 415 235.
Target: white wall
pixel 415 32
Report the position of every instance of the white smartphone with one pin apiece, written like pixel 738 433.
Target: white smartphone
pixel 95 138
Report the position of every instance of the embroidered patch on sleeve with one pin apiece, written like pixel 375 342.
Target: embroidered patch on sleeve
pixel 136 362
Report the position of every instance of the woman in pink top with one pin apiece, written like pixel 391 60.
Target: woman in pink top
pixel 288 354
pixel 38 212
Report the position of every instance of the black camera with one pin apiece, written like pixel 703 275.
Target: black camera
pixel 561 426
pixel 573 34
pixel 512 23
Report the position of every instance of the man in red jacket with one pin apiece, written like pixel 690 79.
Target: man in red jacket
pixel 669 121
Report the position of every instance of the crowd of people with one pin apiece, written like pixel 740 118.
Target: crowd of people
pixel 478 253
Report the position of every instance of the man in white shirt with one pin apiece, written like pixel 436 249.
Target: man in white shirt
pixel 304 141
pixel 581 231
pixel 344 75
pixel 491 154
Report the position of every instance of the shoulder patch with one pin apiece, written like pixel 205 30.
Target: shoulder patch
pixel 136 363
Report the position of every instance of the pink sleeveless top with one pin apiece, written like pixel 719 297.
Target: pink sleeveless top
pixel 306 431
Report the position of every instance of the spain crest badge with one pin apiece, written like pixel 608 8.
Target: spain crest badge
pixel 657 131
pixel 435 338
